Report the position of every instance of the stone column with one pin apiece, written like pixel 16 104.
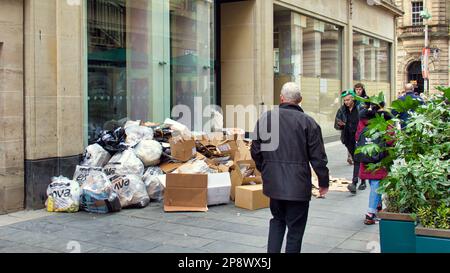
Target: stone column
pixel 53 94
pixel 264 76
pixel 11 107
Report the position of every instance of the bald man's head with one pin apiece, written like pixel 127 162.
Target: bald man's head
pixel 409 87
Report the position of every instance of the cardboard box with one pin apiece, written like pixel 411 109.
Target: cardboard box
pixel 219 187
pixel 251 197
pixel 186 192
pixel 228 148
pixel 243 153
pixel 220 147
pixel 238 179
pixel 181 149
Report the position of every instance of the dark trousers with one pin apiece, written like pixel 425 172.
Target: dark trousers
pixel 351 147
pixel 292 215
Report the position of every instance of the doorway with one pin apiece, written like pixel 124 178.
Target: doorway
pixel 415 76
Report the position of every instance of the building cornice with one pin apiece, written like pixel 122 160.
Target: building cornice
pixel 390 5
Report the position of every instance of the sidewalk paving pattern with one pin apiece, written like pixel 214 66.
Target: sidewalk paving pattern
pixel 335 225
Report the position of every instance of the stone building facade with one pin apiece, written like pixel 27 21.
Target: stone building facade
pixel 411 41
pixel 69 68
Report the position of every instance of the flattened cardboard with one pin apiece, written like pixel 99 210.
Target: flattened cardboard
pixel 238 180
pixel 170 167
pixel 251 197
pixel 182 150
pixel 219 187
pixel 186 192
pixel 199 156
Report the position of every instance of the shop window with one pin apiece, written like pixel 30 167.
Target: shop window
pixel 371 63
pixel 308 51
pixel 145 57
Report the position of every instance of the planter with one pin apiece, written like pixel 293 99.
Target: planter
pixel 430 240
pixel 397 232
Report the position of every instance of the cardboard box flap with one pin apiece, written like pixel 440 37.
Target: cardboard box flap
pixel 252 187
pixel 255 179
pixel 169 167
pixel 182 149
pixel 250 163
pixel 193 181
pixel 246 162
pixel 228 147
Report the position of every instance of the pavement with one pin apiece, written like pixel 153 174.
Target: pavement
pixel 335 225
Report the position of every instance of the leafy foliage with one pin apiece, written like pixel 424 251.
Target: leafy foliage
pixel 435 218
pixel 419 161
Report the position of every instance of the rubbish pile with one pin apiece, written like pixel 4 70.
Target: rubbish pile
pixel 142 162
pixel 336 184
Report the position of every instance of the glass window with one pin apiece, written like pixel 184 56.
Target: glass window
pixel 192 54
pixel 371 63
pixel 146 56
pixel 308 51
pixel 417 7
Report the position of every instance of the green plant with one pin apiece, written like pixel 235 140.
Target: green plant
pixel 435 217
pixel 418 161
pixel 417 183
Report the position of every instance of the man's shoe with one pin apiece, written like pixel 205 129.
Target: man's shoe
pixel 362 186
pixel 370 219
pixel 352 188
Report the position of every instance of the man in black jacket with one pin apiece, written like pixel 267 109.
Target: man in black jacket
pixel 286 142
pixel 347 119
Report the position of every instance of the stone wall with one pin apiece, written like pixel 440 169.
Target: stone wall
pixel 411 41
pixel 11 106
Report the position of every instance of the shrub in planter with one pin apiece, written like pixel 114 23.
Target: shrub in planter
pixel 418 164
pixel 433 234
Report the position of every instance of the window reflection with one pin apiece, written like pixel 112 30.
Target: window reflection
pixel 308 51
pixel 371 63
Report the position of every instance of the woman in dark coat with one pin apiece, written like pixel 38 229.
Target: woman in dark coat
pixel 374 177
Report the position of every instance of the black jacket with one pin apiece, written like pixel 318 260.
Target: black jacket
pixel 351 121
pixel 285 169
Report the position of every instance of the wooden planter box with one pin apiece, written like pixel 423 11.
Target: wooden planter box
pixel 430 240
pixel 397 233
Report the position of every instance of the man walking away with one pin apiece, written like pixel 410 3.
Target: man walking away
pixel 347 119
pixel 409 92
pixel 284 161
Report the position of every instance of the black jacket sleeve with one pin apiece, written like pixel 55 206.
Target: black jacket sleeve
pixel 339 116
pixel 256 149
pixel 317 155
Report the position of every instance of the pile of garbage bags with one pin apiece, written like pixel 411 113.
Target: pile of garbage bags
pixel 122 169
